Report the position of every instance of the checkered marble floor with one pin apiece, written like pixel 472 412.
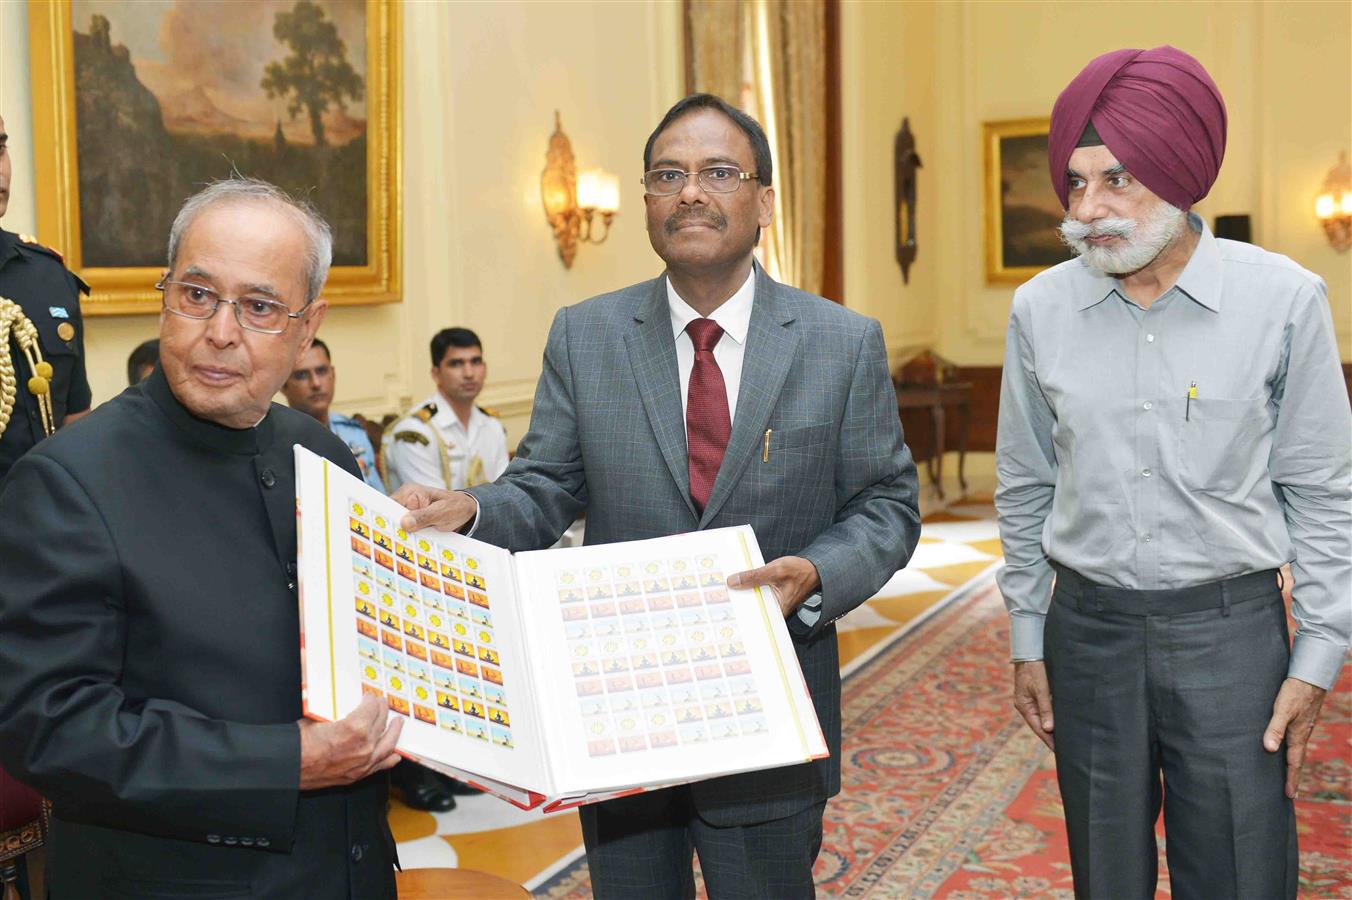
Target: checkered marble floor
pixel 957 545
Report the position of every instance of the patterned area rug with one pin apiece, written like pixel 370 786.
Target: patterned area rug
pixel 947 794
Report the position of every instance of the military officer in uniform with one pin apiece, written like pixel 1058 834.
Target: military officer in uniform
pixel 42 368
pixel 310 390
pixel 447 441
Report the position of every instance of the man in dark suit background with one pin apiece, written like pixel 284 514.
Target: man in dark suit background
pixel 708 397
pixel 149 672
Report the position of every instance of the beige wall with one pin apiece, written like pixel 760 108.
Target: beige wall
pixel 481 83
pixel 1282 67
pixel 883 79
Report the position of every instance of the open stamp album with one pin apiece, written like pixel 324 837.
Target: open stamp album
pixel 550 678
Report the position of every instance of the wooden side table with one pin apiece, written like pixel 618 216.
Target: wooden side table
pixel 937 398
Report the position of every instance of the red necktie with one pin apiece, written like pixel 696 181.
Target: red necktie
pixel 707 421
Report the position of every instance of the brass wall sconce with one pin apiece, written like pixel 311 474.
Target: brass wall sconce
pixel 572 201
pixel 1333 207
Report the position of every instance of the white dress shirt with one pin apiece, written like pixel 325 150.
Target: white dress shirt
pixel 474 455
pixel 734 317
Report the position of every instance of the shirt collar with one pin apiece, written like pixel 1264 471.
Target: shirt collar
pixel 446 417
pixel 209 435
pixel 1200 279
pixel 9 245
pixel 733 316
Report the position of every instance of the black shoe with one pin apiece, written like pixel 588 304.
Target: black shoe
pixel 421 788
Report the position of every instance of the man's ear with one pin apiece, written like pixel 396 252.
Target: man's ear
pixel 767 210
pixel 313 319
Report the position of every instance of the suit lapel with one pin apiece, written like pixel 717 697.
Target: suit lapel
pixel 770 350
pixel 652 354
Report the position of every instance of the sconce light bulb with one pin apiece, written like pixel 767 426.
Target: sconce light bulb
pixel 589 188
pixel 609 196
pixel 1325 206
pixel 1347 203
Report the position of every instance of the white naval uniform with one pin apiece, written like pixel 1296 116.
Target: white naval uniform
pixel 431 446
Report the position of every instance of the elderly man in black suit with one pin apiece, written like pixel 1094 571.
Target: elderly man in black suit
pixel 149 672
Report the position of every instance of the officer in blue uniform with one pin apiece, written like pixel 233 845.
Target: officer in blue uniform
pixel 47 294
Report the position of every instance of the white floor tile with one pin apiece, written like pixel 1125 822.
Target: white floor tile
pixel 962 531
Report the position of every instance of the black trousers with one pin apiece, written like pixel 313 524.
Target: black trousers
pixel 1174 687
pixel 640 847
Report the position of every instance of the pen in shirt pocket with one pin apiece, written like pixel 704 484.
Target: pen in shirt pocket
pixel 1187 408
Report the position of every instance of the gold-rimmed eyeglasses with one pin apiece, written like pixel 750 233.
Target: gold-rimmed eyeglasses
pixel 712 179
pixel 194 301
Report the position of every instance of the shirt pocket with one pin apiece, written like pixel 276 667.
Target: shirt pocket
pixel 1218 442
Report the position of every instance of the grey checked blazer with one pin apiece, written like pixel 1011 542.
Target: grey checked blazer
pixel 608 435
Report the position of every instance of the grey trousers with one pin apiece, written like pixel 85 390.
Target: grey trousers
pixel 1173 686
pixel 640 847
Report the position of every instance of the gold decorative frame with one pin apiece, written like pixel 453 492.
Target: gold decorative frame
pixel 121 291
pixel 998 269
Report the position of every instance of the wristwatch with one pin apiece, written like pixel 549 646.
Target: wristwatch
pixel 806 616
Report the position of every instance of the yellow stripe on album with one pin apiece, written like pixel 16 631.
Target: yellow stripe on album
pixel 783 676
pixel 328 570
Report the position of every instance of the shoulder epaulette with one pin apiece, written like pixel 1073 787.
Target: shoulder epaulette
pixel 411 437
pixel 32 243
pixel 490 411
pixel 425 412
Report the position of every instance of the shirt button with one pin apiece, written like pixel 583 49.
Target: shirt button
pixel 1147 405
pixel 1145 472
pixel 1150 339
pixel 1146 538
pixel 268 478
pixel 357 853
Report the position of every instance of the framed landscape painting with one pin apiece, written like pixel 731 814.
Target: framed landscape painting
pixel 1021 209
pixel 136 106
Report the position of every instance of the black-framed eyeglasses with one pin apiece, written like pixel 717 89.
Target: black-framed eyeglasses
pixel 712 179
pixel 261 314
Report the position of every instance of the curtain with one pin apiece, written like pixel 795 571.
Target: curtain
pixel 769 58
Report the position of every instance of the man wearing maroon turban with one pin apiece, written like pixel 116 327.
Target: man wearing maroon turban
pixel 1173 430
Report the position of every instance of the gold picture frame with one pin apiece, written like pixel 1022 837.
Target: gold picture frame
pixel 120 290
pixel 1022 211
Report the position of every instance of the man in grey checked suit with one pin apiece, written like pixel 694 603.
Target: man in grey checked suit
pixel 714 396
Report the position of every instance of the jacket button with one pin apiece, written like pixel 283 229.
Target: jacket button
pixel 268 478
pixel 357 853
pixel 291 569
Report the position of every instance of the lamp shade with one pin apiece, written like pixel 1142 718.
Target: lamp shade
pixel 599 190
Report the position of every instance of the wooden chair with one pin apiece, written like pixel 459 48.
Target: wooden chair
pixel 375 431
pixel 23 827
pixel 456 884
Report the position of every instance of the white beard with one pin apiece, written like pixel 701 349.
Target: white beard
pixel 1141 241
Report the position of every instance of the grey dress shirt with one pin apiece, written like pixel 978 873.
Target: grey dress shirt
pixel 1106 465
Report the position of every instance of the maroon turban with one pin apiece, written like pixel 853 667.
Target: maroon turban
pixel 1157 111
